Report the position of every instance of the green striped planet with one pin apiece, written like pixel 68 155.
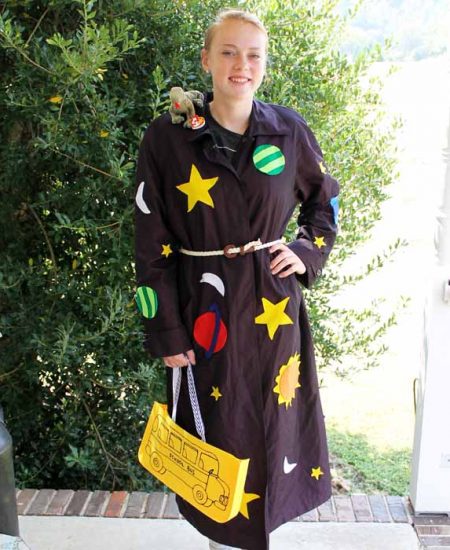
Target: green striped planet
pixel 147 301
pixel 269 159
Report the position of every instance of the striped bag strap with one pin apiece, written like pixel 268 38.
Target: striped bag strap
pixel 176 386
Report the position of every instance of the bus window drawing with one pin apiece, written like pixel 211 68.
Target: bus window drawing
pixel 198 469
pixel 206 476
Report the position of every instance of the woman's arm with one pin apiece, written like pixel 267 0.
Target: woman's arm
pixel 156 260
pixel 317 192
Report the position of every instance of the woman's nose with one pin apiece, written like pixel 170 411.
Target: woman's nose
pixel 240 62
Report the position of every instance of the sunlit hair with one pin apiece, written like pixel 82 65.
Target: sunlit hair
pixel 238 15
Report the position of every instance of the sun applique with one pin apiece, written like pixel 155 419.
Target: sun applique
pixel 287 381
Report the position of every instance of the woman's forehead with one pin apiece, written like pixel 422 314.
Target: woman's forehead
pixel 235 33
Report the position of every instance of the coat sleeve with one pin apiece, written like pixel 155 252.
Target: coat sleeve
pixel 156 260
pixel 317 192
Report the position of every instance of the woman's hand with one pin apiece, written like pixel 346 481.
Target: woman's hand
pixel 285 261
pixel 179 360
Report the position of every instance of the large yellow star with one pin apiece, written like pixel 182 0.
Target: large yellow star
pixel 316 472
pixel 166 250
pixel 273 316
pixel 246 498
pixel 215 393
pixel 319 242
pixel 197 189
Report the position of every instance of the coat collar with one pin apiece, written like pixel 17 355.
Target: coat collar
pixel 264 121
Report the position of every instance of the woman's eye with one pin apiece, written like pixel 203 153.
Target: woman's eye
pixel 227 53
pixel 255 56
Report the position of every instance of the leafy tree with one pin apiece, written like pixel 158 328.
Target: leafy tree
pixel 80 81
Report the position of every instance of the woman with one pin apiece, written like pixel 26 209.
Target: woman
pixel 240 319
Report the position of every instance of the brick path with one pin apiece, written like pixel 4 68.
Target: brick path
pixel 433 531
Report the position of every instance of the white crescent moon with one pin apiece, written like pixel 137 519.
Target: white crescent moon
pixel 287 468
pixel 140 198
pixel 215 281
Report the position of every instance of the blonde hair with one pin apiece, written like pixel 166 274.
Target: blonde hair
pixel 237 15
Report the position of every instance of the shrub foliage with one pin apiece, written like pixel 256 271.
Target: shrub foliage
pixel 79 83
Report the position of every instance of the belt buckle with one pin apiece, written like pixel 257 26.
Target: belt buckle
pixel 242 251
pixel 229 254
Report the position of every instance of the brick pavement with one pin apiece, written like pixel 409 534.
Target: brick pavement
pixel 433 530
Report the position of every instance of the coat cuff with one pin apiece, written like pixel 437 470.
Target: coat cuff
pixel 166 342
pixel 311 257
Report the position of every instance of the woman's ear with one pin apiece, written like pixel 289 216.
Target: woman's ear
pixel 204 59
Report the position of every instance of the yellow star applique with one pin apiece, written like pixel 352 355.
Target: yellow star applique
pixel 166 250
pixel 215 393
pixel 322 167
pixel 246 498
pixel 316 472
pixel 319 242
pixel 273 316
pixel 197 189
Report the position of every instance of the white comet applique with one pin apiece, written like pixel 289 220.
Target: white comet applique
pixel 287 468
pixel 140 198
pixel 215 281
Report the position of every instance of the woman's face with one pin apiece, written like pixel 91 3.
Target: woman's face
pixel 236 59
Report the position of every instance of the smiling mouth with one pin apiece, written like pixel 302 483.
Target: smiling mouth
pixel 239 80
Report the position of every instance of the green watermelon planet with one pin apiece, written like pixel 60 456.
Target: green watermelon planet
pixel 147 301
pixel 269 159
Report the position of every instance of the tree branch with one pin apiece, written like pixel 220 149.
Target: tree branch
pixel 36 26
pixel 83 163
pixel 100 440
pixel 49 244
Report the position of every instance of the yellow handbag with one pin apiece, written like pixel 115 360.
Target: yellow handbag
pixel 207 477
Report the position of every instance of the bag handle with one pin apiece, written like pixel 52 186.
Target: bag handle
pixel 176 386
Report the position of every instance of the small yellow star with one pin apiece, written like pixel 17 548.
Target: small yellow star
pixel 322 167
pixel 273 316
pixel 316 472
pixel 166 250
pixel 246 498
pixel 319 242
pixel 103 133
pixel 216 393
pixel 56 99
pixel 197 189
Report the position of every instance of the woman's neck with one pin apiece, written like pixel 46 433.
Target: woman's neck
pixel 234 116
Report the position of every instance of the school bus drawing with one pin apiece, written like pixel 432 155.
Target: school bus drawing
pixel 206 476
pixel 171 452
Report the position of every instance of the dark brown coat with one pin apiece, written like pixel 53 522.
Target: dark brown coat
pixel 251 337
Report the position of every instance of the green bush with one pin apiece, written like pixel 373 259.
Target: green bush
pixel 80 81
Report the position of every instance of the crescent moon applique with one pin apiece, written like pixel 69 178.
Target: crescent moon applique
pixel 140 199
pixel 215 281
pixel 287 467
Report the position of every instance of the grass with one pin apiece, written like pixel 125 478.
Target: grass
pixel 366 469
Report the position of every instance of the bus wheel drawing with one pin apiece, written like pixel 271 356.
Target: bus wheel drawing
pixel 200 494
pixel 157 463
